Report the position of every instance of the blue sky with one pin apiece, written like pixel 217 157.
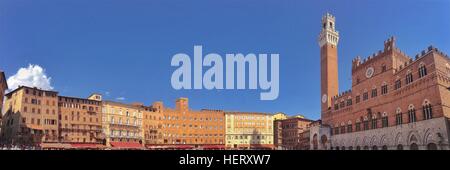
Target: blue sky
pixel 124 48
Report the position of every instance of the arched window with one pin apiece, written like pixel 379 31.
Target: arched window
pixel 384 120
pixel 384 147
pixel 409 77
pixel 398 117
pixel 399 147
pixel 350 148
pixel 358 147
pixel 422 70
pixel 349 127
pixel 432 146
pixel 427 110
pixel 343 148
pixel 414 146
pixel 398 83
pixel 342 128
pixel 411 113
pixel 366 147
pixel 384 88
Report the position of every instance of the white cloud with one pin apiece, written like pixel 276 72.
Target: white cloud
pixel 32 76
pixel 120 98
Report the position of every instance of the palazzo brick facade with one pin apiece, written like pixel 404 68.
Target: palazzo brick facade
pixel 396 101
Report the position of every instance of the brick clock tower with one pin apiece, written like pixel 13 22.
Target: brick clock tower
pixel 328 41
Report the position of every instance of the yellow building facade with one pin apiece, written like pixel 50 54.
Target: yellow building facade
pixel 245 130
pixel 122 125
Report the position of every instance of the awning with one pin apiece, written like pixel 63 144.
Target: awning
pixel 184 147
pixel 156 146
pixel 55 146
pixel 86 146
pixel 165 146
pixel 126 145
pixel 262 146
pixel 213 146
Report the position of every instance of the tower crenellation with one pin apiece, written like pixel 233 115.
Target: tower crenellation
pixel 389 47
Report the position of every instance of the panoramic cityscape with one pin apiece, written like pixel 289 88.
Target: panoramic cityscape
pixel 396 102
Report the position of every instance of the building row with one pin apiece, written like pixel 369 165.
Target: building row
pixel 46 119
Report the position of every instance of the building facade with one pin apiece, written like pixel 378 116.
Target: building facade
pixel 191 129
pixel 291 130
pixel 246 130
pixel 122 125
pixel 30 117
pixel 395 102
pixel 151 125
pixel 3 88
pixel 80 121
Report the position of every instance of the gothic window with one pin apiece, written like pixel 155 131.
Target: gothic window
pixel 349 128
pixel 336 106
pixel 409 77
pixel 349 102
pixel 427 110
pixel 374 93
pixel 342 104
pixel 357 99
pixel 384 121
pixel 411 114
pixel 384 88
pixel 342 129
pixel 365 96
pixel 398 84
pixel 383 68
pixel 336 130
pixel 358 126
pixel 374 123
pixel 366 125
pixel 422 70
pixel 398 117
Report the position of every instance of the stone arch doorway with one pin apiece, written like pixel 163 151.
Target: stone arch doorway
pixel 374 147
pixel 323 141
pixel 432 146
pixel 414 146
pixel 315 142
